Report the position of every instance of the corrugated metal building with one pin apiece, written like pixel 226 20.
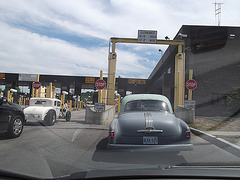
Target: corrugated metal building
pixel 213 52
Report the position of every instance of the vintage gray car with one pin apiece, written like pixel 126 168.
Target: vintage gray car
pixel 147 122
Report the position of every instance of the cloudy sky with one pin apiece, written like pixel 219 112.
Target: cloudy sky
pixel 71 37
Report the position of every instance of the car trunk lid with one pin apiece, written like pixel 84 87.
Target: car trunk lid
pixel 142 123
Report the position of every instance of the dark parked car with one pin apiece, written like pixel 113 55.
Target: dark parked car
pixel 147 122
pixel 11 119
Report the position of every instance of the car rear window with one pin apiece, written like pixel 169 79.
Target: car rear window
pixel 39 102
pixel 146 105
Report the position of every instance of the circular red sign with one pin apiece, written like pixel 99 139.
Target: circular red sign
pixel 100 84
pixel 36 85
pixel 191 84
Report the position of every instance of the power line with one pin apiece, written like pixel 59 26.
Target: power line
pixel 218 10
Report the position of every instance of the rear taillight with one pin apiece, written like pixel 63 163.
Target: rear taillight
pixel 188 134
pixel 111 134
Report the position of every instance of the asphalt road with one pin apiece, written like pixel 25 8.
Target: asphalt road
pixel 75 146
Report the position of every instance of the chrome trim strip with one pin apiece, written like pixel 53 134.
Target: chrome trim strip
pixel 148 120
pixel 149 131
pixel 149 125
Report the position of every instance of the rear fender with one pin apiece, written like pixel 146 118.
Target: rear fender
pixel 113 128
pixel 185 128
pixel 38 111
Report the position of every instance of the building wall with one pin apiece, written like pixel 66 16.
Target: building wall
pixel 213 54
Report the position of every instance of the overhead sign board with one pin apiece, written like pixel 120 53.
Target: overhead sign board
pixel 99 107
pixel 189 104
pixel 27 77
pixel 2 75
pixel 89 80
pixel 136 81
pixel 146 36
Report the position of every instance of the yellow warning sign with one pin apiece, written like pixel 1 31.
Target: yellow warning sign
pixel 90 80
pixel 2 75
pixel 136 81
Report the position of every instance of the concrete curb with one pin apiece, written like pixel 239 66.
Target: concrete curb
pixel 221 143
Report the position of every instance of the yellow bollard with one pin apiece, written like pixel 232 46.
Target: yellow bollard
pixel 53 92
pixel 36 91
pixel 80 106
pixel 8 96
pixel 100 90
pixel 119 103
pixel 11 98
pixel 20 101
pixel 33 90
pixel 63 100
pixel 75 105
pixel 70 105
pixel 190 91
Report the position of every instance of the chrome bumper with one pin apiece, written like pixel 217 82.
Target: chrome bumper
pixel 163 148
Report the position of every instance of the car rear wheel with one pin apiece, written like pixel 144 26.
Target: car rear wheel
pixel 15 127
pixel 50 118
pixel 68 116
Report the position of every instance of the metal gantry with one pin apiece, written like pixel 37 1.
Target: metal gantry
pixel 179 86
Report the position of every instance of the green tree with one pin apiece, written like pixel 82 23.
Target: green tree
pixel 87 95
pixel 18 89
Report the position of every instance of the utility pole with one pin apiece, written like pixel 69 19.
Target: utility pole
pixel 218 11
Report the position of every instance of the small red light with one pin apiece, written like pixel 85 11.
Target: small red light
pixel 38 116
pixel 111 134
pixel 188 134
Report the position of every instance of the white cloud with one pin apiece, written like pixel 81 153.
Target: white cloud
pixel 27 52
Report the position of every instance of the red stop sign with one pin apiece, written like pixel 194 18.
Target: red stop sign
pixel 100 84
pixel 191 84
pixel 36 85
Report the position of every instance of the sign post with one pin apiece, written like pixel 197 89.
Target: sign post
pixel 100 92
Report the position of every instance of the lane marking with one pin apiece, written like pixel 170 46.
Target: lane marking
pixel 76 134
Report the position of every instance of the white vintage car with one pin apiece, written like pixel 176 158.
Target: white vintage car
pixel 47 110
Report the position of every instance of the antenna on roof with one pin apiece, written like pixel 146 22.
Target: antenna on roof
pixel 218 10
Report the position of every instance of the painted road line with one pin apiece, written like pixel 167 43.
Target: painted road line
pixel 76 134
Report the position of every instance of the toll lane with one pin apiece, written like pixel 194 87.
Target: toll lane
pixel 67 147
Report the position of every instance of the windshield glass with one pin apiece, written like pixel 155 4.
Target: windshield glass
pixel 146 105
pixel 119 86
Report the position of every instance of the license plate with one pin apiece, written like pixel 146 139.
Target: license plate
pixel 150 140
